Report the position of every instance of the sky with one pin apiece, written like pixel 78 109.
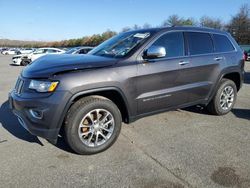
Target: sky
pixel 50 20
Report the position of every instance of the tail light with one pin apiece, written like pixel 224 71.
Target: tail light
pixel 244 56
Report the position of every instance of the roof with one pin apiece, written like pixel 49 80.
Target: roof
pixel 180 28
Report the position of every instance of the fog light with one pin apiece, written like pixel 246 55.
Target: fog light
pixel 38 114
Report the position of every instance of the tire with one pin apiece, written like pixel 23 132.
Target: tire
pixel 25 63
pixel 216 106
pixel 78 121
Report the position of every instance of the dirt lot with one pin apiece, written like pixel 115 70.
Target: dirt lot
pixel 183 148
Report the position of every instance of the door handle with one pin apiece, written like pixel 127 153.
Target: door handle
pixel 218 58
pixel 183 62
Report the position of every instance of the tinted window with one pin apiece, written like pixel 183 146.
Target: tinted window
pixel 40 51
pixel 52 51
pixel 173 43
pixel 199 43
pixel 222 43
pixel 83 51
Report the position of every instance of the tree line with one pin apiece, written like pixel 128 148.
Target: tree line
pixel 238 26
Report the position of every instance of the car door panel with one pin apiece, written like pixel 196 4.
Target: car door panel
pixel 205 72
pixel 161 85
pixel 205 66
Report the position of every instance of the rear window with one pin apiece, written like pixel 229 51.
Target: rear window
pixel 222 43
pixel 199 43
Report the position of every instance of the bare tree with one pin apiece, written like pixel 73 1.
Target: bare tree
pixel 239 26
pixel 146 26
pixel 206 21
pixel 126 29
pixel 136 27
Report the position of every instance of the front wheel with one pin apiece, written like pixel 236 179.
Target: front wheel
pixel 224 99
pixel 92 125
pixel 25 63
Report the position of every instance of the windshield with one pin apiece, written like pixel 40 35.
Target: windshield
pixel 120 45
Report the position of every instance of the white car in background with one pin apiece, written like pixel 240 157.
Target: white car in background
pixel 44 51
pixel 9 52
pixel 21 59
pixel 25 51
pixel 79 50
pixel 17 59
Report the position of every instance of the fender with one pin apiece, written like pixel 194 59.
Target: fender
pixel 85 92
pixel 224 72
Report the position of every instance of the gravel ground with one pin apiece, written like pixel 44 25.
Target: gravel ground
pixel 182 148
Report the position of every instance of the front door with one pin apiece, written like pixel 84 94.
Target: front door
pixel 161 82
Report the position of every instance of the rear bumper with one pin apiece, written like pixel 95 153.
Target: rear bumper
pixel 51 107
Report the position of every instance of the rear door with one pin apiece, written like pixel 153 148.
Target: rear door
pixel 205 65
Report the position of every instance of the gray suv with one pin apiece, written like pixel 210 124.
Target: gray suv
pixel 85 98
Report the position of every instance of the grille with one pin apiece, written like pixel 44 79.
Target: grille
pixel 19 86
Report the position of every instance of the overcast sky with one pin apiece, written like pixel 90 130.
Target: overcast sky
pixel 64 19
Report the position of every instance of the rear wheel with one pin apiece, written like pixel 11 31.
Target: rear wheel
pixel 224 99
pixel 92 125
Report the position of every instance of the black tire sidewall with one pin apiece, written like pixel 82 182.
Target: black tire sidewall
pixel 24 63
pixel 74 141
pixel 223 85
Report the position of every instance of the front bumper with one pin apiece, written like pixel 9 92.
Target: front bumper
pixel 52 107
pixel 17 61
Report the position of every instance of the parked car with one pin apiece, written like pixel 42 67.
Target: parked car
pixel 3 49
pixel 44 51
pixel 21 59
pixel 9 52
pixel 246 49
pixel 25 51
pixel 130 76
pixel 79 50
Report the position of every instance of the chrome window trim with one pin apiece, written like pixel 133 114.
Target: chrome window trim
pixel 140 56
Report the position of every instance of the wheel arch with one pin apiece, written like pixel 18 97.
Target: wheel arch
pixel 233 74
pixel 112 93
pixel 235 77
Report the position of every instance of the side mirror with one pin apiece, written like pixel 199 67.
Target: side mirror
pixel 155 52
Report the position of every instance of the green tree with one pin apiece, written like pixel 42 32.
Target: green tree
pixel 175 20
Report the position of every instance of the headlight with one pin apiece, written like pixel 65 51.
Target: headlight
pixel 43 86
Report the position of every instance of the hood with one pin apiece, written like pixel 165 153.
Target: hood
pixel 50 65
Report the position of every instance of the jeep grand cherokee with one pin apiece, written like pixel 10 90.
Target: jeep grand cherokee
pixel 132 75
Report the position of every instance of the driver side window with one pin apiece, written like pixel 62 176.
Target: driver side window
pixel 173 43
